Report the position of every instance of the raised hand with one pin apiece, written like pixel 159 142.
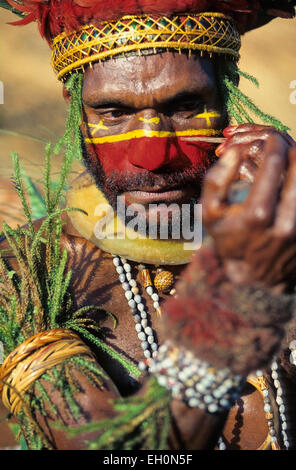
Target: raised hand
pixel 256 238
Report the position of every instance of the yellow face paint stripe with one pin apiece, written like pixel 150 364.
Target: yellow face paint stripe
pixel 137 134
pixel 97 127
pixel 154 120
pixel 207 116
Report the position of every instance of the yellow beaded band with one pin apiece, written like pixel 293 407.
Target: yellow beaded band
pixel 205 32
pixel 32 358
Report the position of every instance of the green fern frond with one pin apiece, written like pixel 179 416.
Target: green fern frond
pixel 142 422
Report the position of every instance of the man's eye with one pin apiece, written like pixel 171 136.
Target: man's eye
pixel 117 113
pixel 186 109
pixel 114 114
pixel 191 106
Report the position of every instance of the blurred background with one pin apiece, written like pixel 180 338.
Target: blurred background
pixel 34 111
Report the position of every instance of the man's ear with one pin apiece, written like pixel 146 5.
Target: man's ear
pixel 66 95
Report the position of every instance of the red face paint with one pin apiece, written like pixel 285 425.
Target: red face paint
pixel 154 154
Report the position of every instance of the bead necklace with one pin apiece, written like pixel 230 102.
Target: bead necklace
pixel 260 383
pixel 280 402
pixel 137 307
pixel 150 347
pixel 263 388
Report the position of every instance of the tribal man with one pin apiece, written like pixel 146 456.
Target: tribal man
pixel 195 335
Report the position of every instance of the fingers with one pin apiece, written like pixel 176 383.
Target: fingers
pixel 248 127
pixel 217 183
pixel 260 205
pixel 285 223
pixel 247 171
pixel 257 136
pixel 244 137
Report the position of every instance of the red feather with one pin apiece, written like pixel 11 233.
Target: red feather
pixel 56 16
pixel 28 19
pixel 16 5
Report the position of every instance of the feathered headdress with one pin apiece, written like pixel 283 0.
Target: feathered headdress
pixel 57 16
pixel 82 31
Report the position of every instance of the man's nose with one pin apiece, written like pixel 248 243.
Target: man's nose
pixel 157 147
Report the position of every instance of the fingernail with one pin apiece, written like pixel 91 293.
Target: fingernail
pixel 229 130
pixel 219 149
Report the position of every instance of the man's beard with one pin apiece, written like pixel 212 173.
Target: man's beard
pixel 118 183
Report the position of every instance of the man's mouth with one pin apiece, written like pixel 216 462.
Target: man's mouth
pixel 159 195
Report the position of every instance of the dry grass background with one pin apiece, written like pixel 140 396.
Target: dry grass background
pixel 33 101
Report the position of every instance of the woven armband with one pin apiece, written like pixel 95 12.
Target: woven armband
pixel 31 359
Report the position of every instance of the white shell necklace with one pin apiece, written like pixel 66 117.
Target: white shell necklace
pixel 137 308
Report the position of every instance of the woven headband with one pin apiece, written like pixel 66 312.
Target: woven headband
pixel 212 33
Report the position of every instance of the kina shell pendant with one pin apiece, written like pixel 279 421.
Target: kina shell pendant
pixel 164 281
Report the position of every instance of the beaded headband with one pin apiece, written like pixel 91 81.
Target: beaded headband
pixel 213 33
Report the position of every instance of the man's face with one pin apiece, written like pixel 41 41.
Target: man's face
pixel 133 110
